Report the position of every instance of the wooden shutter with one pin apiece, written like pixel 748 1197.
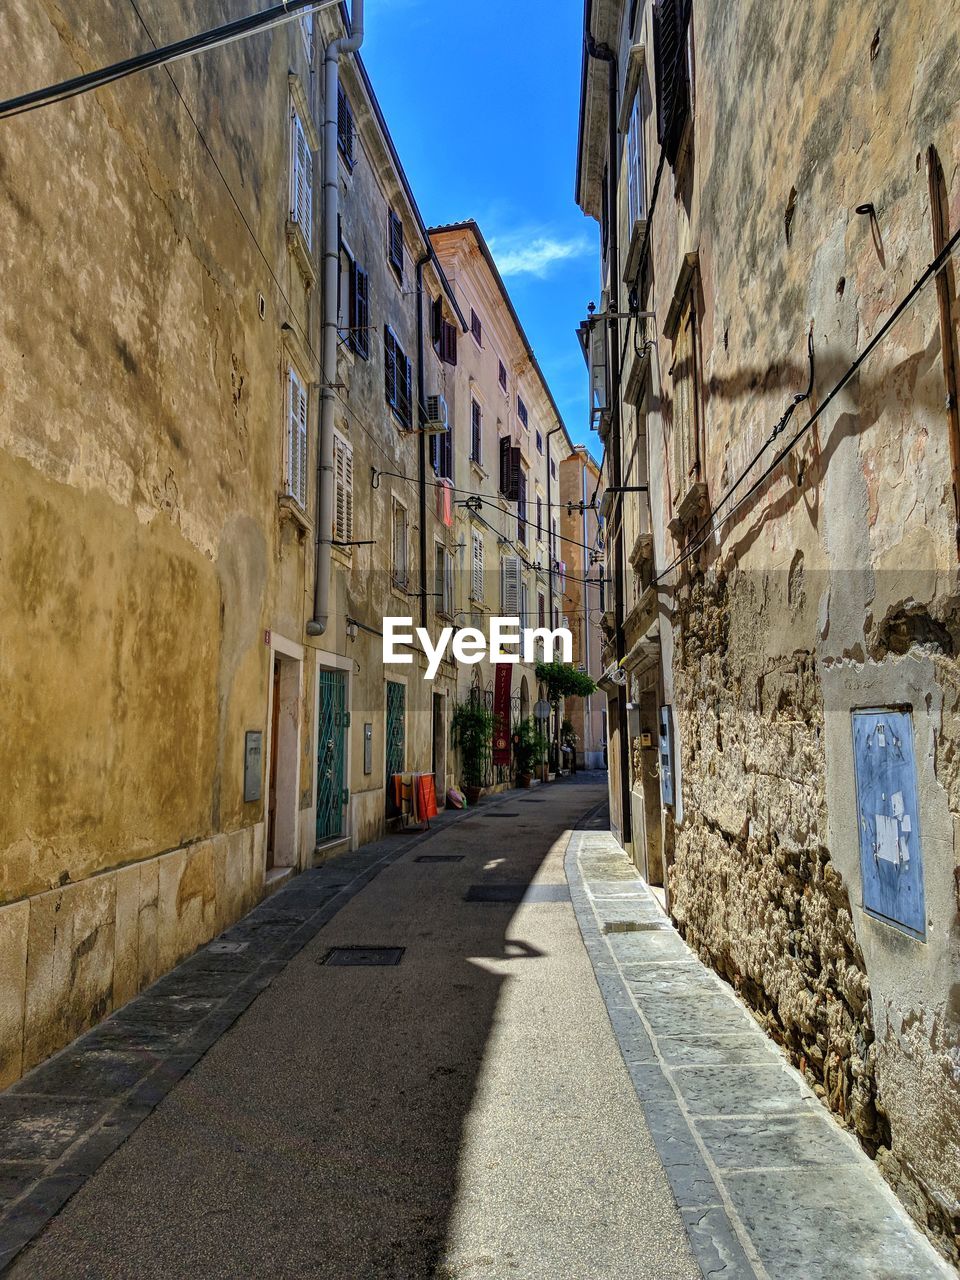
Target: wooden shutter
pixel 504 464
pixel 297 440
pixel 344 126
pixel 510 586
pixel 359 319
pixel 448 343
pixel 390 366
pixel 301 211
pixel 400 544
pixel 476 431
pixel 476 328
pixel 436 325
pixel 539 518
pixel 670 20
pixel 404 373
pixel 502 374
pixel 343 490
pixel 395 242
pixel 476 568
pixel 522 506
pixel 541 609
pixel 522 412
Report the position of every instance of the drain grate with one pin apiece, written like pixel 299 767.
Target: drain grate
pixel 517 893
pixel 363 955
pixel 501 815
pixel 635 926
pixel 440 857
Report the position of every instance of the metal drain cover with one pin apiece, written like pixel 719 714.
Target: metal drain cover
pixel 440 857
pixel 517 893
pixel 500 815
pixel 363 955
pixel 636 926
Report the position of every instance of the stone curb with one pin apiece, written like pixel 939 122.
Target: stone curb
pixel 98 1089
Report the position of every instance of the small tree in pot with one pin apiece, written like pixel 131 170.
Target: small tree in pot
pixel 529 745
pixel 473 734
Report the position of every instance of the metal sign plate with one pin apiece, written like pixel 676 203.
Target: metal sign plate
pixel 252 765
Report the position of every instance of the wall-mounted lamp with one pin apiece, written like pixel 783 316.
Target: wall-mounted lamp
pixel 352 631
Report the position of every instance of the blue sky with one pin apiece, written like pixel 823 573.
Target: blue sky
pixel 485 121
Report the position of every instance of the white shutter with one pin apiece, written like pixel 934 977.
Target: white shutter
pixel 476 578
pixel 297 406
pixel 301 210
pixel 343 487
pixel 510 586
pixel 400 544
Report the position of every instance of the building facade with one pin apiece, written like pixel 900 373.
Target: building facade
pixel 584 597
pixel 782 526
pixel 197 704
pixel 503 463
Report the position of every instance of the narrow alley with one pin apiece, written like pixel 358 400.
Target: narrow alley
pixel 461 1110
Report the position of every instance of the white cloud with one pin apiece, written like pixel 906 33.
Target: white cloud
pixel 537 255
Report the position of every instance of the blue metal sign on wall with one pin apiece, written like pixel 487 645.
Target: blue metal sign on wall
pixel 891 861
pixel 666 756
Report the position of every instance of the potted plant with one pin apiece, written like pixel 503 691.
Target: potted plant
pixel 529 745
pixel 472 733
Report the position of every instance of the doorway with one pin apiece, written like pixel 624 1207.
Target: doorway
pixel 283 799
pixel 331 755
pixel 440 747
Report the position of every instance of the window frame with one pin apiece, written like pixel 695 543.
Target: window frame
pixel 476 328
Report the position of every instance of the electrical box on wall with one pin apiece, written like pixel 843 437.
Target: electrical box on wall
pixel 666 757
pixel 888 819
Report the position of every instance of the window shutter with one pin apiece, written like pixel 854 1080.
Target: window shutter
pixel 539 519
pixel 405 390
pixel 476 431
pixel 513 475
pixel 504 464
pixel 436 325
pixel 344 126
pixel 541 609
pixel 670 19
pixel 400 544
pixel 522 507
pixel 390 367
pixel 302 201
pixel 502 374
pixel 297 440
pixel 635 174
pixel 448 344
pixel 476 328
pixel 360 333
pixel 510 586
pixel 476 571
pixel 395 242
pixel 343 487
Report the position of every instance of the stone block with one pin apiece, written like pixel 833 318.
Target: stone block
pixel 148 967
pixel 14 925
pixel 126 973
pixel 70 954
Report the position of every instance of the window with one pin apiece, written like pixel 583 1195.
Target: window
pixel 553 469
pixel 686 399
pixel 636 200
pixel 476 328
pixel 301 179
pixel 539 518
pixel 476 568
pixel 539 443
pixel 395 243
pixel 444 335
pixel 398 376
pixel 444 581
pixel 524 604
pixel 344 126
pixel 510 586
pixel 509 469
pixel 400 574
pixel 297 447
pixel 343 490
pixel 671 59
pixel 553 538
pixel 441 454
pixel 476 433
pixel 541 609
pixel 522 412
pixel 358 310
pixel 522 508
pixel 503 376
pixel 306 30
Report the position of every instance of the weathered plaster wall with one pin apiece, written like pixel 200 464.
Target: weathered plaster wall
pixel 835 585
pixel 141 457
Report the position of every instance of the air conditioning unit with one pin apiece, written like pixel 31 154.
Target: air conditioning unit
pixel 436 418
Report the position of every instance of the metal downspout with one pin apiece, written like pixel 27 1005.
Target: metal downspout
pixel 330 273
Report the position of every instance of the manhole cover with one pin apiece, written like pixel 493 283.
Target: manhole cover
pixel 517 893
pixel 227 948
pixel 363 955
pixel 440 857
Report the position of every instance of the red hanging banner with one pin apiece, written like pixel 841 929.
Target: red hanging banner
pixel 501 712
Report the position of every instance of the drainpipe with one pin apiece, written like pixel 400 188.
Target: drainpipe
pixel 604 54
pixel 588 719
pixel 331 272
pixel 422 442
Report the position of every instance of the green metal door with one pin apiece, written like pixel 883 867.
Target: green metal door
pixel 396 728
pixel 332 795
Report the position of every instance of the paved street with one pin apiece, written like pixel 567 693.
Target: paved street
pixel 471 1111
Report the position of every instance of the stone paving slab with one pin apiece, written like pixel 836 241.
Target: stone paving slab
pixel 62 1121
pixel 768 1184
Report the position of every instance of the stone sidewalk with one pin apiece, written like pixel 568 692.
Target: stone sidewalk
pixel 768 1183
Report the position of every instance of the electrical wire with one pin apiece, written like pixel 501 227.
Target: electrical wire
pixel 932 269
pixel 216 38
